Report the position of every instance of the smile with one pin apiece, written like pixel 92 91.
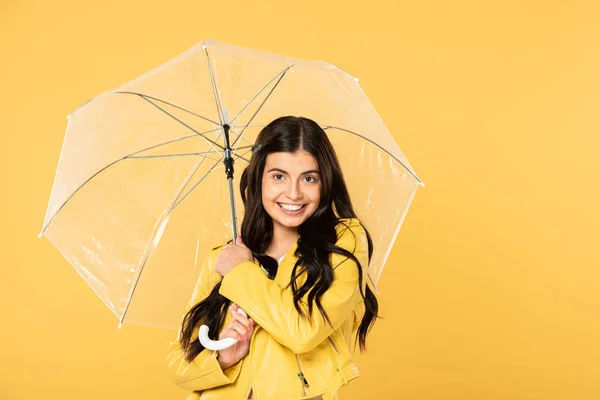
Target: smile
pixel 291 207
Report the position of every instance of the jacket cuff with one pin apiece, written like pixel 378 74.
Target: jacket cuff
pixel 215 376
pixel 232 372
pixel 244 272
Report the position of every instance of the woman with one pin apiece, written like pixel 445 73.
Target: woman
pixel 300 227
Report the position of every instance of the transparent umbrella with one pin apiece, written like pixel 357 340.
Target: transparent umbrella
pixel 141 193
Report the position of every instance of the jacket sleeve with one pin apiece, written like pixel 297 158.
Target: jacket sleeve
pixel 204 371
pixel 272 307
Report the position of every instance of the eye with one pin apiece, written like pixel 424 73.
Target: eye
pixel 278 177
pixel 310 179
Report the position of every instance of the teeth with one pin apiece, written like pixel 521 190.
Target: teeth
pixel 290 207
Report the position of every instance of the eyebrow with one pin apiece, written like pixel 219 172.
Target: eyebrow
pixel 312 171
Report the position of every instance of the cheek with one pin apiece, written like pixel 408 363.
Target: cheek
pixel 269 192
pixel 314 193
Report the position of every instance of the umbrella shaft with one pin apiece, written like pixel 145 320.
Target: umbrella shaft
pixel 228 161
pixel 232 206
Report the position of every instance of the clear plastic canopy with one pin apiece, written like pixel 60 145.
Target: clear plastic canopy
pixel 140 194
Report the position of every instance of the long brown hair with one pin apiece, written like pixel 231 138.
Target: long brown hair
pixel 317 235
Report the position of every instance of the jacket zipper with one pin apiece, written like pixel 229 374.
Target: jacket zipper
pixel 301 376
pixel 333 344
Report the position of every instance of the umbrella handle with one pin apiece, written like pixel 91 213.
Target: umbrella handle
pixel 216 344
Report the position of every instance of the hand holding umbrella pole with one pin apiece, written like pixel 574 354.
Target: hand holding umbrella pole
pixel 228 161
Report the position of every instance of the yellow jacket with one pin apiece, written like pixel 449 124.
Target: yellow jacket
pixel 285 346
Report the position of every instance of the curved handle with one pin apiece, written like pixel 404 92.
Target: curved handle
pixel 216 344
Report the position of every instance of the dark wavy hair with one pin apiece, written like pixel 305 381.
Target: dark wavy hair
pixel 317 235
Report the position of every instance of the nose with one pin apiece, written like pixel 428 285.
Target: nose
pixel 294 193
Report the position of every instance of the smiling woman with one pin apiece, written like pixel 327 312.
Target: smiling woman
pixel 291 188
pixel 303 314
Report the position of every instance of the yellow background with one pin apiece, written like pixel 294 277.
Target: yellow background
pixel 492 289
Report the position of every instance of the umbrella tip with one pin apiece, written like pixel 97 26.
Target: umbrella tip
pixel 41 232
pixel 120 325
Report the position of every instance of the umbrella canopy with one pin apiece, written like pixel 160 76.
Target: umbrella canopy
pixel 140 194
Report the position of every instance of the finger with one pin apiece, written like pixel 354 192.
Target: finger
pixel 239 242
pixel 230 333
pixel 239 328
pixel 245 322
pixel 234 306
pixel 235 331
pixel 235 315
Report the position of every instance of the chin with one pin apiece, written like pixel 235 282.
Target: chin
pixel 289 222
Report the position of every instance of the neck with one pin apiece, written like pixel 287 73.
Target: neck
pixel 283 239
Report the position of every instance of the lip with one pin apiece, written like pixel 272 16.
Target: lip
pixel 286 212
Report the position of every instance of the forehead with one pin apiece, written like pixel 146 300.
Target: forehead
pixel 298 161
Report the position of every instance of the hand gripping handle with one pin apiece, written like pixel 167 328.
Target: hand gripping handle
pixel 216 344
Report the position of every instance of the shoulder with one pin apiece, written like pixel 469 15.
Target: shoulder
pixel 207 277
pixel 210 261
pixel 351 234
pixel 352 224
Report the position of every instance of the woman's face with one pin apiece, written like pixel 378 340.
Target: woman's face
pixel 291 187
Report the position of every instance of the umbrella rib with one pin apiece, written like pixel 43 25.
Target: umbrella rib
pixel 211 143
pixel 190 178
pixel 195 185
pixel 394 236
pixel 241 156
pixel 250 144
pixel 182 123
pixel 262 104
pixel 147 252
pixel 258 93
pixel 373 283
pixel 170 104
pixel 374 143
pixel 76 190
pixel 129 156
pixel 250 126
pixel 177 155
pixel 198 166
pixel 215 90
pixel 172 141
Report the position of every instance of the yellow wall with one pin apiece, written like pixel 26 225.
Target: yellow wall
pixel 491 291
